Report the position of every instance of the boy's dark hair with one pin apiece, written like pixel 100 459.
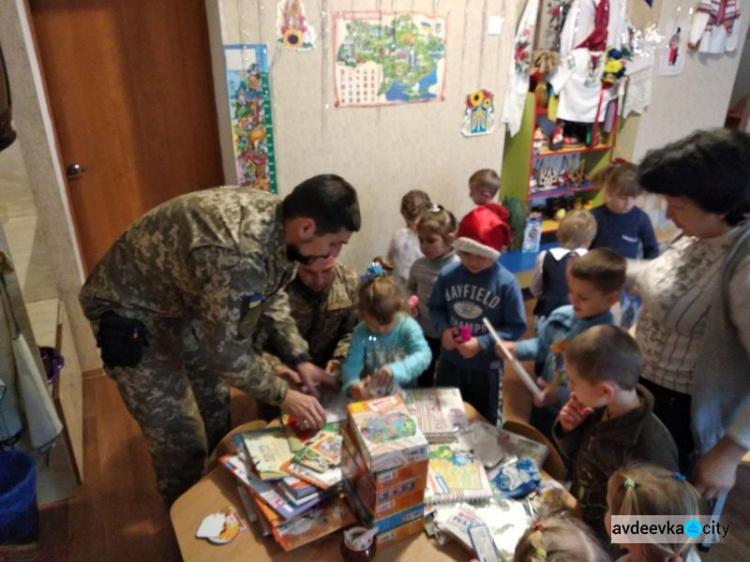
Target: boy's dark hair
pixel 606 353
pixel 327 199
pixel 380 298
pixel 619 178
pixel 485 180
pixel 414 203
pixel 602 267
pixel 711 168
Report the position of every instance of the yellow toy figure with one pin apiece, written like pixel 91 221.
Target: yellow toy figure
pixel 614 68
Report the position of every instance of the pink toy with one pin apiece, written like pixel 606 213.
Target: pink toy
pixel 412 301
pixel 464 333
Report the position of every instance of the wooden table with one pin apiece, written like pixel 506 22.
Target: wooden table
pixel 218 490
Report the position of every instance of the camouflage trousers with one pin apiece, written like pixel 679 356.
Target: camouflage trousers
pixel 181 407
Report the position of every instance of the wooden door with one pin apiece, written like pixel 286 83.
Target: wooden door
pixel 131 94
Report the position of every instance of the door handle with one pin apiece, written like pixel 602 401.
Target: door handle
pixel 73 171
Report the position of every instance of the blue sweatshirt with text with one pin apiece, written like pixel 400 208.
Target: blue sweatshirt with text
pixel 461 298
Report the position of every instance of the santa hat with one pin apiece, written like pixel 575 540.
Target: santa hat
pixel 484 232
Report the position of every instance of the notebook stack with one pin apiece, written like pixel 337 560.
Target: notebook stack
pixel 384 461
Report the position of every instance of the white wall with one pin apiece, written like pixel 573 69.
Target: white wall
pixel 384 152
pixel 696 99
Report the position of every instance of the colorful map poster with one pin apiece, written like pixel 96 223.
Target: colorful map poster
pixel 250 111
pixel 384 59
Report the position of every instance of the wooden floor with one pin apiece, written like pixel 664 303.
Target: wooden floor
pixel 118 514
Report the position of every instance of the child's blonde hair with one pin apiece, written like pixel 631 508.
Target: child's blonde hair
pixel 413 204
pixel 577 230
pixel 559 539
pixel 380 298
pixel 437 220
pixel 652 490
pixel 485 180
pixel 619 178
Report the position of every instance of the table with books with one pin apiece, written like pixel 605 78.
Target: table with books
pixel 404 464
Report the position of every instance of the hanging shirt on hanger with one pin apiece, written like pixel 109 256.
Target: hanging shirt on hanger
pixel 716 26
pixel 582 21
pixel 578 83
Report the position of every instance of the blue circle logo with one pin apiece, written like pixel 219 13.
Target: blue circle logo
pixel 693 528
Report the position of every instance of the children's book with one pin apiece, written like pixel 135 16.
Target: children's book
pixel 440 412
pixel 455 475
pixel 387 434
pixel 296 488
pixel 268 449
pixel 319 522
pixel 324 480
pixel 298 437
pixel 321 453
pixel 276 500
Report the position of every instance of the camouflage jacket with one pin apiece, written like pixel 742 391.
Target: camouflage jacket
pixel 216 257
pixel 325 320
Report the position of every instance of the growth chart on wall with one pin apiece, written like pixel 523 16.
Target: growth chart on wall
pixel 250 111
pixel 384 59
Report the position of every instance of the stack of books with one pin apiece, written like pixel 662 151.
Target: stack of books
pixel 295 497
pixel 384 461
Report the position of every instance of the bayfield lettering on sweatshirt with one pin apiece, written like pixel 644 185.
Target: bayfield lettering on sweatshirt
pixel 461 298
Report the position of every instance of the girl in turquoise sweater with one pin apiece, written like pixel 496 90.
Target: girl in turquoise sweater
pixel 387 348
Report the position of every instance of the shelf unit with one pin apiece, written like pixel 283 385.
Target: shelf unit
pixel 519 160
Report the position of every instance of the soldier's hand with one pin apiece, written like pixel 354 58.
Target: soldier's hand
pixel 306 409
pixel 312 376
pixel 287 374
pixel 333 366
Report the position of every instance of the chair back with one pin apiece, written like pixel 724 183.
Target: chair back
pixel 553 465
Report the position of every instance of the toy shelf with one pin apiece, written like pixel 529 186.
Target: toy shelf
pixel 519 164
pixel 579 150
pixel 558 192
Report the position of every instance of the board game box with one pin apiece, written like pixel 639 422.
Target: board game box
pixel 387 434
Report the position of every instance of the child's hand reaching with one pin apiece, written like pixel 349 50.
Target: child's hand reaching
pixel 550 393
pixel 450 338
pixel 411 304
pixel 383 377
pixel 509 345
pixel 359 390
pixel 469 349
pixel 573 413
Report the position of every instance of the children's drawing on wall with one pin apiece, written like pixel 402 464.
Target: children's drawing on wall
pixel 250 111
pixel 293 30
pixel 479 114
pixel 675 49
pixel 383 59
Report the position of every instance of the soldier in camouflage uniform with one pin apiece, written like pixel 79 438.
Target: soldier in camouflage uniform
pixel 323 299
pixel 191 280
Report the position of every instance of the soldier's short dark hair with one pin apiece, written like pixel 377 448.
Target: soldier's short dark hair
pixel 606 354
pixel 711 168
pixel 602 267
pixel 327 199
